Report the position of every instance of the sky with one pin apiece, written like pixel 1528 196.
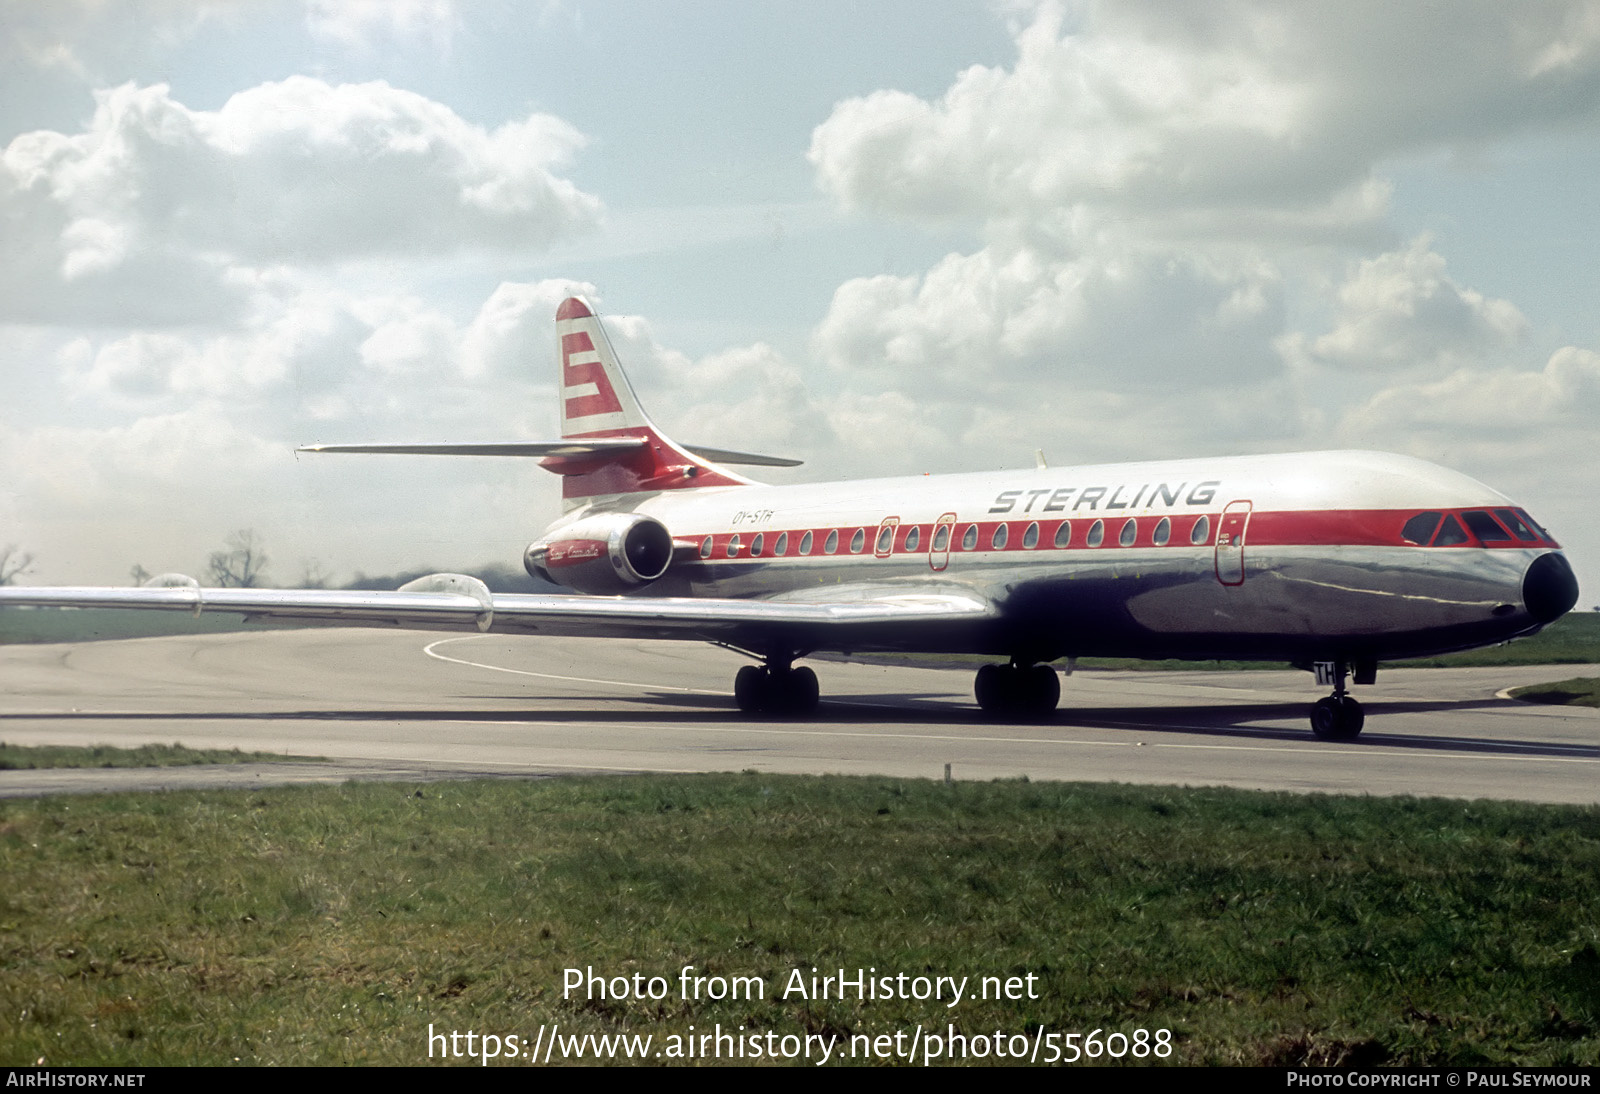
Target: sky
pixel 882 237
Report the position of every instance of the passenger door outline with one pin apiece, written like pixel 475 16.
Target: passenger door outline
pixel 939 559
pixel 1230 542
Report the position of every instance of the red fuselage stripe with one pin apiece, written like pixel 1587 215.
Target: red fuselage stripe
pixel 1292 528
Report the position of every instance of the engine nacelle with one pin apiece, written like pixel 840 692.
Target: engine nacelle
pixel 607 553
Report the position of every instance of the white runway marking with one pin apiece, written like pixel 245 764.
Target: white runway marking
pixel 431 651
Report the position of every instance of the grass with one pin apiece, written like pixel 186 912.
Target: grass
pixel 34 757
pixel 333 925
pixel 1582 691
pixel 23 625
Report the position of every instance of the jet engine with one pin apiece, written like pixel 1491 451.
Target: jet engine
pixel 607 553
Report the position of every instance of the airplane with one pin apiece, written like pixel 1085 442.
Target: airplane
pixel 1334 561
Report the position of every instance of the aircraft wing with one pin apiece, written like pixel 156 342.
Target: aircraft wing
pixel 853 617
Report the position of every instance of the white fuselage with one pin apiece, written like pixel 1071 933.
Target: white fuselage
pixel 1289 557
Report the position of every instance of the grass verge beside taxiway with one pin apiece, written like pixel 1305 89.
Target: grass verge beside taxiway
pixel 36 757
pixel 335 924
pixel 1582 691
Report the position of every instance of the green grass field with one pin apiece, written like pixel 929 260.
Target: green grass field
pixel 1582 691
pixel 333 925
pixel 34 757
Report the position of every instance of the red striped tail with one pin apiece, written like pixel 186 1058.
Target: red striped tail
pixel 597 402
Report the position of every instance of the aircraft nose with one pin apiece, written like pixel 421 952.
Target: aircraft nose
pixel 1549 588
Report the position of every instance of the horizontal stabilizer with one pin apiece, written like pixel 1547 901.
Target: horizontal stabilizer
pixel 592 447
pixel 723 455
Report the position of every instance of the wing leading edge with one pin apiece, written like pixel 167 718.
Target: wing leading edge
pixel 459 602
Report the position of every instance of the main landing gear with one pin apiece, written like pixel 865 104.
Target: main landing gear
pixel 776 688
pixel 1017 690
pixel 1339 717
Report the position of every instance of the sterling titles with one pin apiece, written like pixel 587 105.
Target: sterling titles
pixel 1060 499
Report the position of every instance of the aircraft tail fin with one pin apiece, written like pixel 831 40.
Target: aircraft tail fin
pixel 597 403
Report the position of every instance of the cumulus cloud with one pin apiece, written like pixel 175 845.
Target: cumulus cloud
pixel 302 172
pixel 362 23
pixel 1401 311
pixel 1251 113
pixel 1128 318
pixel 1507 404
pixel 1181 214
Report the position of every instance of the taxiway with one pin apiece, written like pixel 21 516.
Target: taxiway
pixel 404 704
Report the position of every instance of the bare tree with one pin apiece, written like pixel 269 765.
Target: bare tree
pixel 241 565
pixel 139 574
pixel 13 561
pixel 313 575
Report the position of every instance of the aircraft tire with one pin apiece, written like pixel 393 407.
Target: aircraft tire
pixel 1009 691
pixel 990 689
pixel 752 690
pixel 761 690
pixel 1337 718
pixel 1043 691
pixel 803 690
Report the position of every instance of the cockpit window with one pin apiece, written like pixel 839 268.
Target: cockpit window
pixel 1450 533
pixel 1544 533
pixel 1485 527
pixel 1515 523
pixel 1420 528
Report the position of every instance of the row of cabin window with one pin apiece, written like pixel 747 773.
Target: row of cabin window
pixel 1127 537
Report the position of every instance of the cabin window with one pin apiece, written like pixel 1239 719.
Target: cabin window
pixel 733 546
pixel 1513 522
pixel 1064 533
pixel 805 544
pixel 1030 538
pixel 1450 533
pixel 913 538
pixel 1485 527
pixel 831 544
pixel 705 547
pixel 1420 528
pixel 1201 531
pixel 998 540
pixel 941 537
pixel 969 538
pixel 1163 532
pixel 1130 533
pixel 885 540
pixel 858 541
pixel 781 547
pixel 1097 533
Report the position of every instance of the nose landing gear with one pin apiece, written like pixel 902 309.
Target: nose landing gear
pixel 1339 717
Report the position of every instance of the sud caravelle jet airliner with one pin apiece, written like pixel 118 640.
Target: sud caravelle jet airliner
pixel 1331 560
